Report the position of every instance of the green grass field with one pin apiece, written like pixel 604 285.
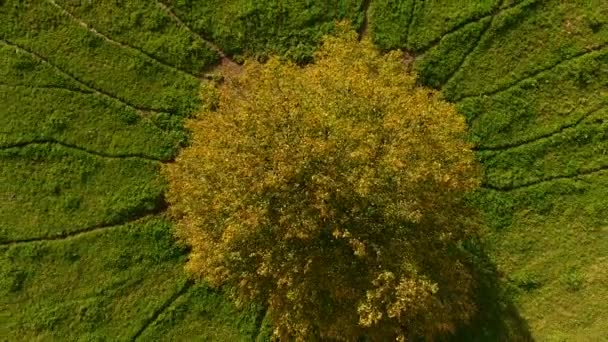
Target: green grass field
pixel 92 99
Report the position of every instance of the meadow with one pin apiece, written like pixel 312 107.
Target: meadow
pixel 92 101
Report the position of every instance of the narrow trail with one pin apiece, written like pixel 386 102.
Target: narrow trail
pixel 167 304
pixel 535 74
pixel 225 59
pixel 76 233
pixel 545 180
pixel 122 45
pixel 409 23
pixel 145 112
pixel 51 141
pixel 365 25
pixel 561 129
pixel 474 47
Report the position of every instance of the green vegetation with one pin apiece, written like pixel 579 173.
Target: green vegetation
pixel 92 99
pixel 144 26
pixel 289 28
pixel 39 29
pixel 51 190
pixel 532 80
pixel 417 25
pixel 436 66
pixel 106 283
pixel 208 317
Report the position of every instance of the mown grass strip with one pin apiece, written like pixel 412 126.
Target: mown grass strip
pixel 473 47
pixel 144 110
pixel 581 173
pixel 470 21
pixel 150 320
pixel 46 141
pixel 536 73
pixel 518 143
pixel 47 86
pixel 139 217
pixel 120 44
pixel 179 21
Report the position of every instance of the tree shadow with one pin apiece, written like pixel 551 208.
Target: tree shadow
pixel 497 318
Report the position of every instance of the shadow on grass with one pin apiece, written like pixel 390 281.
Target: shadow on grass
pixel 497 318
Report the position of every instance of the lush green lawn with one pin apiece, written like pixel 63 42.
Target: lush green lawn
pixel 92 96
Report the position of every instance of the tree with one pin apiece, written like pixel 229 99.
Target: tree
pixel 334 193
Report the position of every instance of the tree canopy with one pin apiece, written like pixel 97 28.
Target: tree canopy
pixel 333 193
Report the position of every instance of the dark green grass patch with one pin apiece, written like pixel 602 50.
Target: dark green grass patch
pixel 260 28
pixel 84 120
pixel 19 68
pixel 574 151
pixel 541 105
pixel 116 283
pixel 543 142
pixel 48 190
pixel 81 119
pixel 389 23
pixel 145 26
pixel 203 314
pixel 98 286
pixel 436 66
pixel 40 28
pixel 433 19
pixel 39 103
pixel 417 26
pixel 527 39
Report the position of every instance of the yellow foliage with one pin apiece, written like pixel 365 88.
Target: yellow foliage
pixel 333 193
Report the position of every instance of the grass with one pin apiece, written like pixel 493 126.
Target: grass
pixel 75 287
pixel 90 122
pixel 39 29
pixel 50 190
pixel 91 102
pixel 144 26
pixel 92 99
pixel 209 318
pixel 107 284
pixel 526 39
pixel 532 81
pixel 257 28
